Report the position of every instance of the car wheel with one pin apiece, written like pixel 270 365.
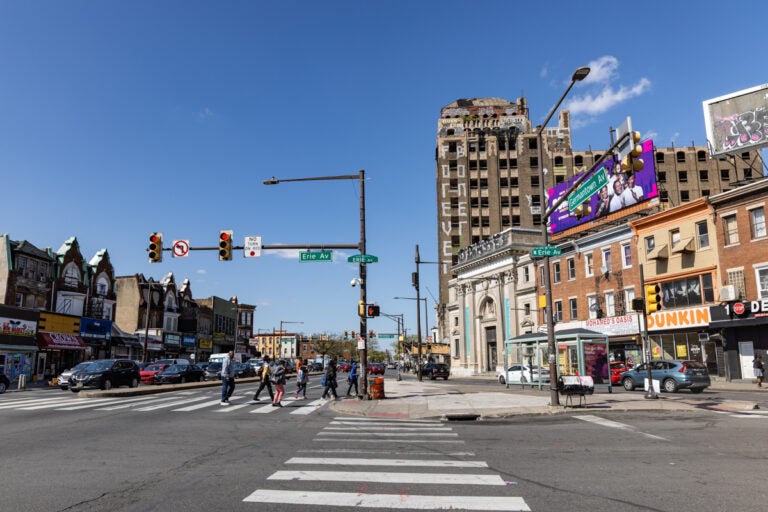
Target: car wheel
pixel 628 384
pixel 445 378
pixel 697 390
pixel 3 387
pixel 183 380
pixel 501 380
pixel 74 390
pixel 64 388
pixel 432 377
pixel 107 385
pixel 670 386
pixel 134 383
pixel 200 379
pixel 523 380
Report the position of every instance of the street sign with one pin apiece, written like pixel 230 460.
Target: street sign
pixel 543 251
pixel 252 246
pixel 627 144
pixel 587 189
pixel 316 256
pixel 180 248
pixel 363 258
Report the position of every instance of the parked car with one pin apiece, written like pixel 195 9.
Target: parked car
pixel 376 368
pixel 66 374
pixel 212 372
pixel 172 361
pixel 522 374
pixel 315 366
pixel 5 383
pixel 149 372
pixel 179 374
pixel 106 374
pixel 672 375
pixel 243 370
pixel 343 366
pixel 617 368
pixel 435 370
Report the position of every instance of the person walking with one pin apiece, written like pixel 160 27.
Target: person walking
pixel 265 381
pixel 352 379
pixel 227 377
pixel 330 381
pixel 279 378
pixel 759 367
pixel 302 379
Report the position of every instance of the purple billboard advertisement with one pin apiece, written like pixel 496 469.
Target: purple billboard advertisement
pixel 620 191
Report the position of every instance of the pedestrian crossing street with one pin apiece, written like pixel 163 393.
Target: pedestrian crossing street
pixel 182 401
pixel 404 464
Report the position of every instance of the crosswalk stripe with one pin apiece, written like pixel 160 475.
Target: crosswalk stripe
pixel 380 440
pixel 387 424
pixel 410 453
pixel 392 429
pixel 388 462
pixel 388 478
pixel 56 405
pixel 308 408
pixel 390 501
pixel 389 434
pixel 22 402
pixel 154 407
pixel 131 402
pixel 392 420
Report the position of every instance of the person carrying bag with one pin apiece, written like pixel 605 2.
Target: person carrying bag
pixel 265 381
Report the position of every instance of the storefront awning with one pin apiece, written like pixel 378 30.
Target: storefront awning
pixel 660 253
pixel 127 342
pixel 685 245
pixel 59 341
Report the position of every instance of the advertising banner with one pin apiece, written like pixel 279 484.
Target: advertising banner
pixel 602 197
pixel 737 121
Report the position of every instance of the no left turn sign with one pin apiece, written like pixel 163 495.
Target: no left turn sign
pixel 180 248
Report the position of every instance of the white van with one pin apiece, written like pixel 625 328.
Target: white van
pixel 217 358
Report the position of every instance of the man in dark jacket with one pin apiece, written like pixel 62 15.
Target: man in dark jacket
pixel 265 381
pixel 352 378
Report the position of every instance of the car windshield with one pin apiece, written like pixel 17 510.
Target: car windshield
pixel 100 366
pixel 81 366
pixel 153 368
pixel 174 368
pixel 694 364
pixel 214 367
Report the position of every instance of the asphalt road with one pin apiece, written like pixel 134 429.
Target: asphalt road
pixel 183 451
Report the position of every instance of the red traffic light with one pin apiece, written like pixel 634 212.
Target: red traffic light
pixel 154 238
pixel 224 236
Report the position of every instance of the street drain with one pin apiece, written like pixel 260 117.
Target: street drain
pixel 462 417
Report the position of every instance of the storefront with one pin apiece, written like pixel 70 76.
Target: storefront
pixel 18 345
pixel 204 345
pixel 684 334
pixel 189 345
pixel 61 346
pixel 172 344
pixel 125 345
pixel 153 343
pixel 97 334
pixel 741 328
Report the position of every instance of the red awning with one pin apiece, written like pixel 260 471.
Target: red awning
pixel 59 341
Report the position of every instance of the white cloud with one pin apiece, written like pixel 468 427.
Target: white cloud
pixel 544 72
pixel 200 271
pixel 602 91
pixel 204 114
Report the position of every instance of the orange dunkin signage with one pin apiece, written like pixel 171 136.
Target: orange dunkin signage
pixel 678 319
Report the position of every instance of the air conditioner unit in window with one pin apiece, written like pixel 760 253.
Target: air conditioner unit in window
pixel 604 269
pixel 727 293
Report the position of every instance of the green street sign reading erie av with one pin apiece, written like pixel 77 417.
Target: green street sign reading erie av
pixel 363 258
pixel 315 256
pixel 543 251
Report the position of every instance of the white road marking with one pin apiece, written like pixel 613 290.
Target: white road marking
pixel 308 408
pixel 389 462
pixel 170 404
pixel 395 420
pixel 390 501
pixel 402 429
pixel 387 452
pixel 388 478
pixel 388 434
pixel 613 424
pixel 379 440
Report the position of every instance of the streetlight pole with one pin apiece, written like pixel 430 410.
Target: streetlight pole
pixel 399 320
pixel 418 323
pixel 578 75
pixel 362 346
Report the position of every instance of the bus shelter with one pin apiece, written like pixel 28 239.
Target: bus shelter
pixel 579 352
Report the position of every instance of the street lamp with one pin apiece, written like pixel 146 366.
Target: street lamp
pixel 400 323
pixel 578 75
pixel 362 347
pixel 418 323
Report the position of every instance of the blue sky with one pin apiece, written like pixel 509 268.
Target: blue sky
pixel 122 118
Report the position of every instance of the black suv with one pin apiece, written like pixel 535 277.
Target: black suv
pixel 106 374
pixel 435 370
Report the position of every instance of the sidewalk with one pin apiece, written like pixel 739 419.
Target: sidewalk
pixel 410 398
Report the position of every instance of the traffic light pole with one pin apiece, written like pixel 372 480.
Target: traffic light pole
pixel 650 393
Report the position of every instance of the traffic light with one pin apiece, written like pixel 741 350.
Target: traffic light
pixel 632 162
pixel 360 310
pixel 652 298
pixel 371 334
pixel 582 210
pixel 155 248
pixel 225 245
pixel 372 310
pixel 346 335
pixel 353 334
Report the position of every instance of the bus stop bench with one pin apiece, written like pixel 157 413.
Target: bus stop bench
pixel 576 385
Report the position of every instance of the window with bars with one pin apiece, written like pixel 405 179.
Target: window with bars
pixel 736 278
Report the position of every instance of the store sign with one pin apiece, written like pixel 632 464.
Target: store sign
pixel 95 329
pixel 188 341
pixel 492 245
pixel 678 319
pixel 755 308
pixel 614 325
pixel 173 339
pixel 16 327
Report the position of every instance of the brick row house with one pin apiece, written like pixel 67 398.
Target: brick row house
pixel 57 309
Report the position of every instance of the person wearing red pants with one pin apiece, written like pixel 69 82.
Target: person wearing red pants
pixel 279 379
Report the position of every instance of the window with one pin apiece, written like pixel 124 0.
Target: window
pixel 573 305
pixel 513 163
pixel 588 267
pixel 650 244
pixel 513 182
pixel 703 175
pixel 745 156
pixel 556 272
pixel 473 165
pixel 19 300
pixel 701 156
pixel 724 175
pixel 481 145
pixel 452 147
pixel 473 146
pixel 659 157
pixel 747 173
pixel 736 278
pixel 526 309
pixel 626 255
pixel 514 201
pixel 534 181
pixel 685 196
pixel 571 268
pixel 691 291
pixel 578 160
pixel 558 161
pixel 527 274
pixel 682 176
pixel 503 163
pixel 674 237
pixel 558 311
pixel 757 222
pixel 483 165
pixel 502 144
pixel 762 282
pixel 702 234
pixel 533 143
pixel 662 176
pixel 534 161
pixel 629 294
pixel 593 306
pixel 71 275
pixel 606 267
pixel 610 306
pixel 680 156
pixel 731 229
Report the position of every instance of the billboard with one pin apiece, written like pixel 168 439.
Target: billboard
pixel 620 191
pixel 737 121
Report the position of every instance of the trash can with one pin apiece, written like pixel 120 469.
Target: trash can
pixel 376 387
